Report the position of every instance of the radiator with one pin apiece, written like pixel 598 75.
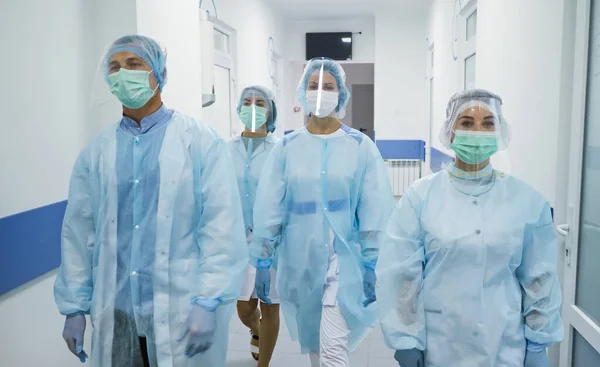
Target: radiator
pixel 402 174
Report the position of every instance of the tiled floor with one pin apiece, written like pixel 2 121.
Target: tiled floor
pixel 371 353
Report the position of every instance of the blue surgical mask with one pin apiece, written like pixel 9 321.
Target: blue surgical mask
pixel 253 116
pixel 131 87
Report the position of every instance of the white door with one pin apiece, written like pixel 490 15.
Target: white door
pixel 218 115
pixel 581 299
pixel 221 114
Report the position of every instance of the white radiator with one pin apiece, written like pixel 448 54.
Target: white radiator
pixel 402 174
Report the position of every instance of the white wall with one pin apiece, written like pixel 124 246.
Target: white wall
pixel 401 110
pixel 43 101
pixel 175 24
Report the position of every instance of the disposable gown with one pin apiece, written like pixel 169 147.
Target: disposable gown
pixel 469 279
pixel 309 187
pixel 153 221
pixel 249 156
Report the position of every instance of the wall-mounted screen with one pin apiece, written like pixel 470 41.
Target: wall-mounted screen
pixel 337 46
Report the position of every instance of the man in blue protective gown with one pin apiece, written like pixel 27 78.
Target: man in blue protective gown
pixel 153 245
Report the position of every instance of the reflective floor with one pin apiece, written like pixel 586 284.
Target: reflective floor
pixel 371 353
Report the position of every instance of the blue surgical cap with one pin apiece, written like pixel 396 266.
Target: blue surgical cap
pixel 146 48
pixel 267 95
pixel 332 67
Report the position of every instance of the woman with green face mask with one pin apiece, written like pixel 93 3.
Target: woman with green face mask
pixel 467 274
pixel 258 112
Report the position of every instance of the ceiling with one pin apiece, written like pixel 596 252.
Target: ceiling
pixel 318 9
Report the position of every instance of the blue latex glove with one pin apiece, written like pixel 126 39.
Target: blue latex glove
pixel 73 334
pixel 410 358
pixel 200 330
pixel 262 284
pixel 536 355
pixel 369 281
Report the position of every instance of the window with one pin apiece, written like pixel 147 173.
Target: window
pixel 471 25
pixel 221 41
pixel 469 71
pixel 467 44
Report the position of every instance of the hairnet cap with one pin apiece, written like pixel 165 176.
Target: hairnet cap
pixel 470 98
pixel 266 94
pixel 146 48
pixel 327 66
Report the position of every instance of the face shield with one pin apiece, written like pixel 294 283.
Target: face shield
pixel 477 132
pixel 322 89
pixel 131 70
pixel 257 109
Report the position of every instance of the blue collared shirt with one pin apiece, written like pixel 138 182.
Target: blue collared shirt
pixel 138 177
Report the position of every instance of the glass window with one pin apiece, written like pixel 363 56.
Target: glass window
pixel 472 25
pixel 221 41
pixel 584 354
pixel 470 71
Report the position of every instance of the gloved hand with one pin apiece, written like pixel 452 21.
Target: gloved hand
pixel 73 334
pixel 536 355
pixel 369 281
pixel 410 358
pixel 262 284
pixel 200 330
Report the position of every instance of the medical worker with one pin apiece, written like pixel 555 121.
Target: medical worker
pixel 467 274
pixel 322 204
pixel 152 240
pixel 258 111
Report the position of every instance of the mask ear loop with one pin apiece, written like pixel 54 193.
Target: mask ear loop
pixel 157 83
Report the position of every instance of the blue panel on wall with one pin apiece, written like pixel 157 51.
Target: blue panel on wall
pixel 30 245
pixel 438 159
pixel 401 149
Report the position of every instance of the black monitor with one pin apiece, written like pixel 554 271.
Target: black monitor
pixel 337 46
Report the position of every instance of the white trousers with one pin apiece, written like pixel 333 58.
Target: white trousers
pixel 334 338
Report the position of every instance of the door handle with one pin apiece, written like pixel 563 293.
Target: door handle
pixel 563 229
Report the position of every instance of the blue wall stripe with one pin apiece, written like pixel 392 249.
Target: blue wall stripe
pixel 438 159
pixel 30 245
pixel 287 132
pixel 401 149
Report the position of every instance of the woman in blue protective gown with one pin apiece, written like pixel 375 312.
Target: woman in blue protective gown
pixel 467 274
pixel 258 112
pixel 322 203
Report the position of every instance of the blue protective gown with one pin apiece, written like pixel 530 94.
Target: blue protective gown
pixel 249 156
pixel 310 187
pixel 153 221
pixel 469 278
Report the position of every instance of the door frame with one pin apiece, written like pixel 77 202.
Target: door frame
pixel 573 317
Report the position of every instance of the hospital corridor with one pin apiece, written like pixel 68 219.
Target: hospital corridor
pixel 300 183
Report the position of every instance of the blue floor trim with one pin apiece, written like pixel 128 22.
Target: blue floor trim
pixel 438 159
pixel 30 245
pixel 401 149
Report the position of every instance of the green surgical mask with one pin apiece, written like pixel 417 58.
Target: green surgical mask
pixel 259 119
pixel 474 147
pixel 131 87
